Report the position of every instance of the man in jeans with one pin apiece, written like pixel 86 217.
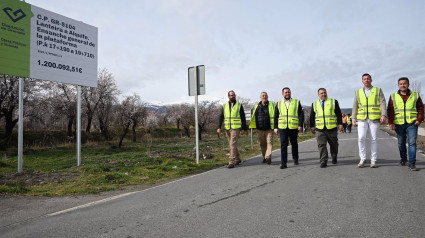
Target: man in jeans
pixel 263 120
pixel 405 114
pixel 233 117
pixel 369 110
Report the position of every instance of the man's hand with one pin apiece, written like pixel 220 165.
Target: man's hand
pixel 275 131
pixel 218 131
pixel 313 130
pixel 392 126
pixel 300 128
pixel 340 128
pixel 242 132
pixel 417 123
pixel 383 119
pixel 354 122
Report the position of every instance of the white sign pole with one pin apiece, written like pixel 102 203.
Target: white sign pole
pixel 196 114
pixel 20 125
pixel 78 125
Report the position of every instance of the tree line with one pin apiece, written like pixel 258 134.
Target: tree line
pixel 50 106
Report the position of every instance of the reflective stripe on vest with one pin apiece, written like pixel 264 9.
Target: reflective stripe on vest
pixel 405 112
pixel 288 118
pixel 232 119
pixel 328 118
pixel 271 114
pixel 368 107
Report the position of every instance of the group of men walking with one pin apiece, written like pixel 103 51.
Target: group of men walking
pixel 404 114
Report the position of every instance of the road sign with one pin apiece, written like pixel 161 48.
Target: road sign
pixel 36 43
pixel 196 87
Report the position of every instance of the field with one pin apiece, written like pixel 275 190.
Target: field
pixel 52 171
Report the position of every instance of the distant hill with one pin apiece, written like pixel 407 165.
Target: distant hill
pixel 347 110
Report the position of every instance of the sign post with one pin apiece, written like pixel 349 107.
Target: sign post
pixel 37 43
pixel 196 77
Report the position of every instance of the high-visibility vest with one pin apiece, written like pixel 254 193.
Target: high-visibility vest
pixel 348 120
pixel 325 117
pixel 405 112
pixel 232 119
pixel 271 107
pixel 368 107
pixel 288 117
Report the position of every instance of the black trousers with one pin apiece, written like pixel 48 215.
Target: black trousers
pixel 287 135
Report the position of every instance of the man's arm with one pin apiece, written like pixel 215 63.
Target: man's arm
pixel 312 119
pixel 243 118
pixel 390 113
pixel 276 117
pixel 383 105
pixel 338 115
pixel 354 111
pixel 420 108
pixel 220 120
pixel 300 116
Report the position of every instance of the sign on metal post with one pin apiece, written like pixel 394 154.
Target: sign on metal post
pixel 196 82
pixel 37 43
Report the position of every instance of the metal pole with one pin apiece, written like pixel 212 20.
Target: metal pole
pixel 20 124
pixel 196 114
pixel 252 141
pixel 78 125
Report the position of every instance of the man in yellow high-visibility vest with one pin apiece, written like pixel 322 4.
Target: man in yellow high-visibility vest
pixel 349 123
pixel 288 120
pixel 325 121
pixel 263 120
pixel 405 114
pixel 369 110
pixel 233 117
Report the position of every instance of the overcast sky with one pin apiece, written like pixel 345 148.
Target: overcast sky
pixel 252 46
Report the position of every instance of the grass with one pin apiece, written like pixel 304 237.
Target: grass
pixel 52 171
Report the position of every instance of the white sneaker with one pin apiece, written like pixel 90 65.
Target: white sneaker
pixel 372 165
pixel 361 164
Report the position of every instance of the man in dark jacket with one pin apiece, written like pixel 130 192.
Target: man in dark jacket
pixel 263 119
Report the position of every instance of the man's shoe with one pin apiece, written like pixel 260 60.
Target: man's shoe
pixel 413 167
pixel 238 162
pixel 403 162
pixel 283 166
pixel 323 165
pixel 373 165
pixel 269 160
pixel 361 164
pixel 230 166
pixel 264 160
pixel 334 161
pixel 295 162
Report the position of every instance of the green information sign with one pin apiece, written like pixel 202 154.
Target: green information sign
pixel 36 43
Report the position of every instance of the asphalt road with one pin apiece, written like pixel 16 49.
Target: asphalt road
pixel 259 200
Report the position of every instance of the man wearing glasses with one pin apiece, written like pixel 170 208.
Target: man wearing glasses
pixel 369 110
pixel 233 117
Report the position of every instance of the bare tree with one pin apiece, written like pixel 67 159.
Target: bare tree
pixel 205 111
pixel 9 100
pixel 64 102
pixel 151 120
pixel 91 97
pixel 126 114
pixel 175 114
pixel 188 117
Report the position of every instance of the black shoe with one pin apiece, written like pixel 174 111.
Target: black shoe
pixel 295 162
pixel 334 161
pixel 283 166
pixel 323 165
pixel 264 160
pixel 230 166
pixel 412 167
pixel 403 162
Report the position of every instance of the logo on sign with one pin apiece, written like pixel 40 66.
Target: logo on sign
pixel 14 15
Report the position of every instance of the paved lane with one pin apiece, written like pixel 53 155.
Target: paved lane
pixel 258 200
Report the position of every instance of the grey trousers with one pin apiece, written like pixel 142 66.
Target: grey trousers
pixel 327 136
